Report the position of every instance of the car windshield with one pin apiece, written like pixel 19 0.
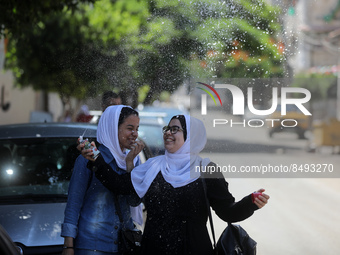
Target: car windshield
pixel 152 135
pixel 37 166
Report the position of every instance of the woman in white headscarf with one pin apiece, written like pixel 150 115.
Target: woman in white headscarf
pixel 173 192
pixel 91 225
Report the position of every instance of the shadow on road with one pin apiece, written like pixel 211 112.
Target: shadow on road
pixel 231 146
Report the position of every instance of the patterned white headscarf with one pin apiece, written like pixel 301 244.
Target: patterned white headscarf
pixel 177 168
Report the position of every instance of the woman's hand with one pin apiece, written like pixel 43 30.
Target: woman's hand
pixel 135 149
pixel 262 199
pixel 80 145
pixel 86 153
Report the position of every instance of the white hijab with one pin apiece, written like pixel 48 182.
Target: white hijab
pixel 107 134
pixel 177 168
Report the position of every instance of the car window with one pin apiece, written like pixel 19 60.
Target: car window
pixel 151 135
pixel 165 113
pixel 36 166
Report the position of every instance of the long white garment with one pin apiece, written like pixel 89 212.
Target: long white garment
pixel 107 134
pixel 177 168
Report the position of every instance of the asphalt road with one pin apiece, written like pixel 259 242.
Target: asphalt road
pixel 303 213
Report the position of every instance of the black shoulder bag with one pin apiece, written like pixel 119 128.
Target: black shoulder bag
pixel 129 239
pixel 234 240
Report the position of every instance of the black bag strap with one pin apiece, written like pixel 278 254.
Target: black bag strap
pixel 209 212
pixel 117 206
pixel 236 235
pixel 237 239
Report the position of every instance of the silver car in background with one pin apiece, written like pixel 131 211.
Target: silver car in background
pixel 36 162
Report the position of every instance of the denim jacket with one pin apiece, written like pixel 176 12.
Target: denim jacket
pixel 90 214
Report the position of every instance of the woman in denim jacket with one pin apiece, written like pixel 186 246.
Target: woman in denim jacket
pixel 91 223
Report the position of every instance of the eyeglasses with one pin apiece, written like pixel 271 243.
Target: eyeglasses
pixel 173 129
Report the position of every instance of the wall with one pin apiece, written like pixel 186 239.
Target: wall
pixel 16 104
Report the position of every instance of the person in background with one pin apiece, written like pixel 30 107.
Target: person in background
pixel 67 117
pixel 84 114
pixel 110 98
pixel 91 225
pixel 173 192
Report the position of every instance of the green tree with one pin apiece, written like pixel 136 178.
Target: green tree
pixel 56 56
pixel 17 16
pixel 73 53
pixel 208 38
pixel 154 43
pixel 240 40
pixel 119 23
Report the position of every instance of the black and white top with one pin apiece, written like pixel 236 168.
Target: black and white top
pixel 177 217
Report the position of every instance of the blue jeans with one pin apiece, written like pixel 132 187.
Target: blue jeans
pixel 93 252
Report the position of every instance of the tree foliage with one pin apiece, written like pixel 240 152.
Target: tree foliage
pixel 158 43
pixel 16 15
pixel 73 53
pixel 240 40
pixel 208 38
pixel 56 56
